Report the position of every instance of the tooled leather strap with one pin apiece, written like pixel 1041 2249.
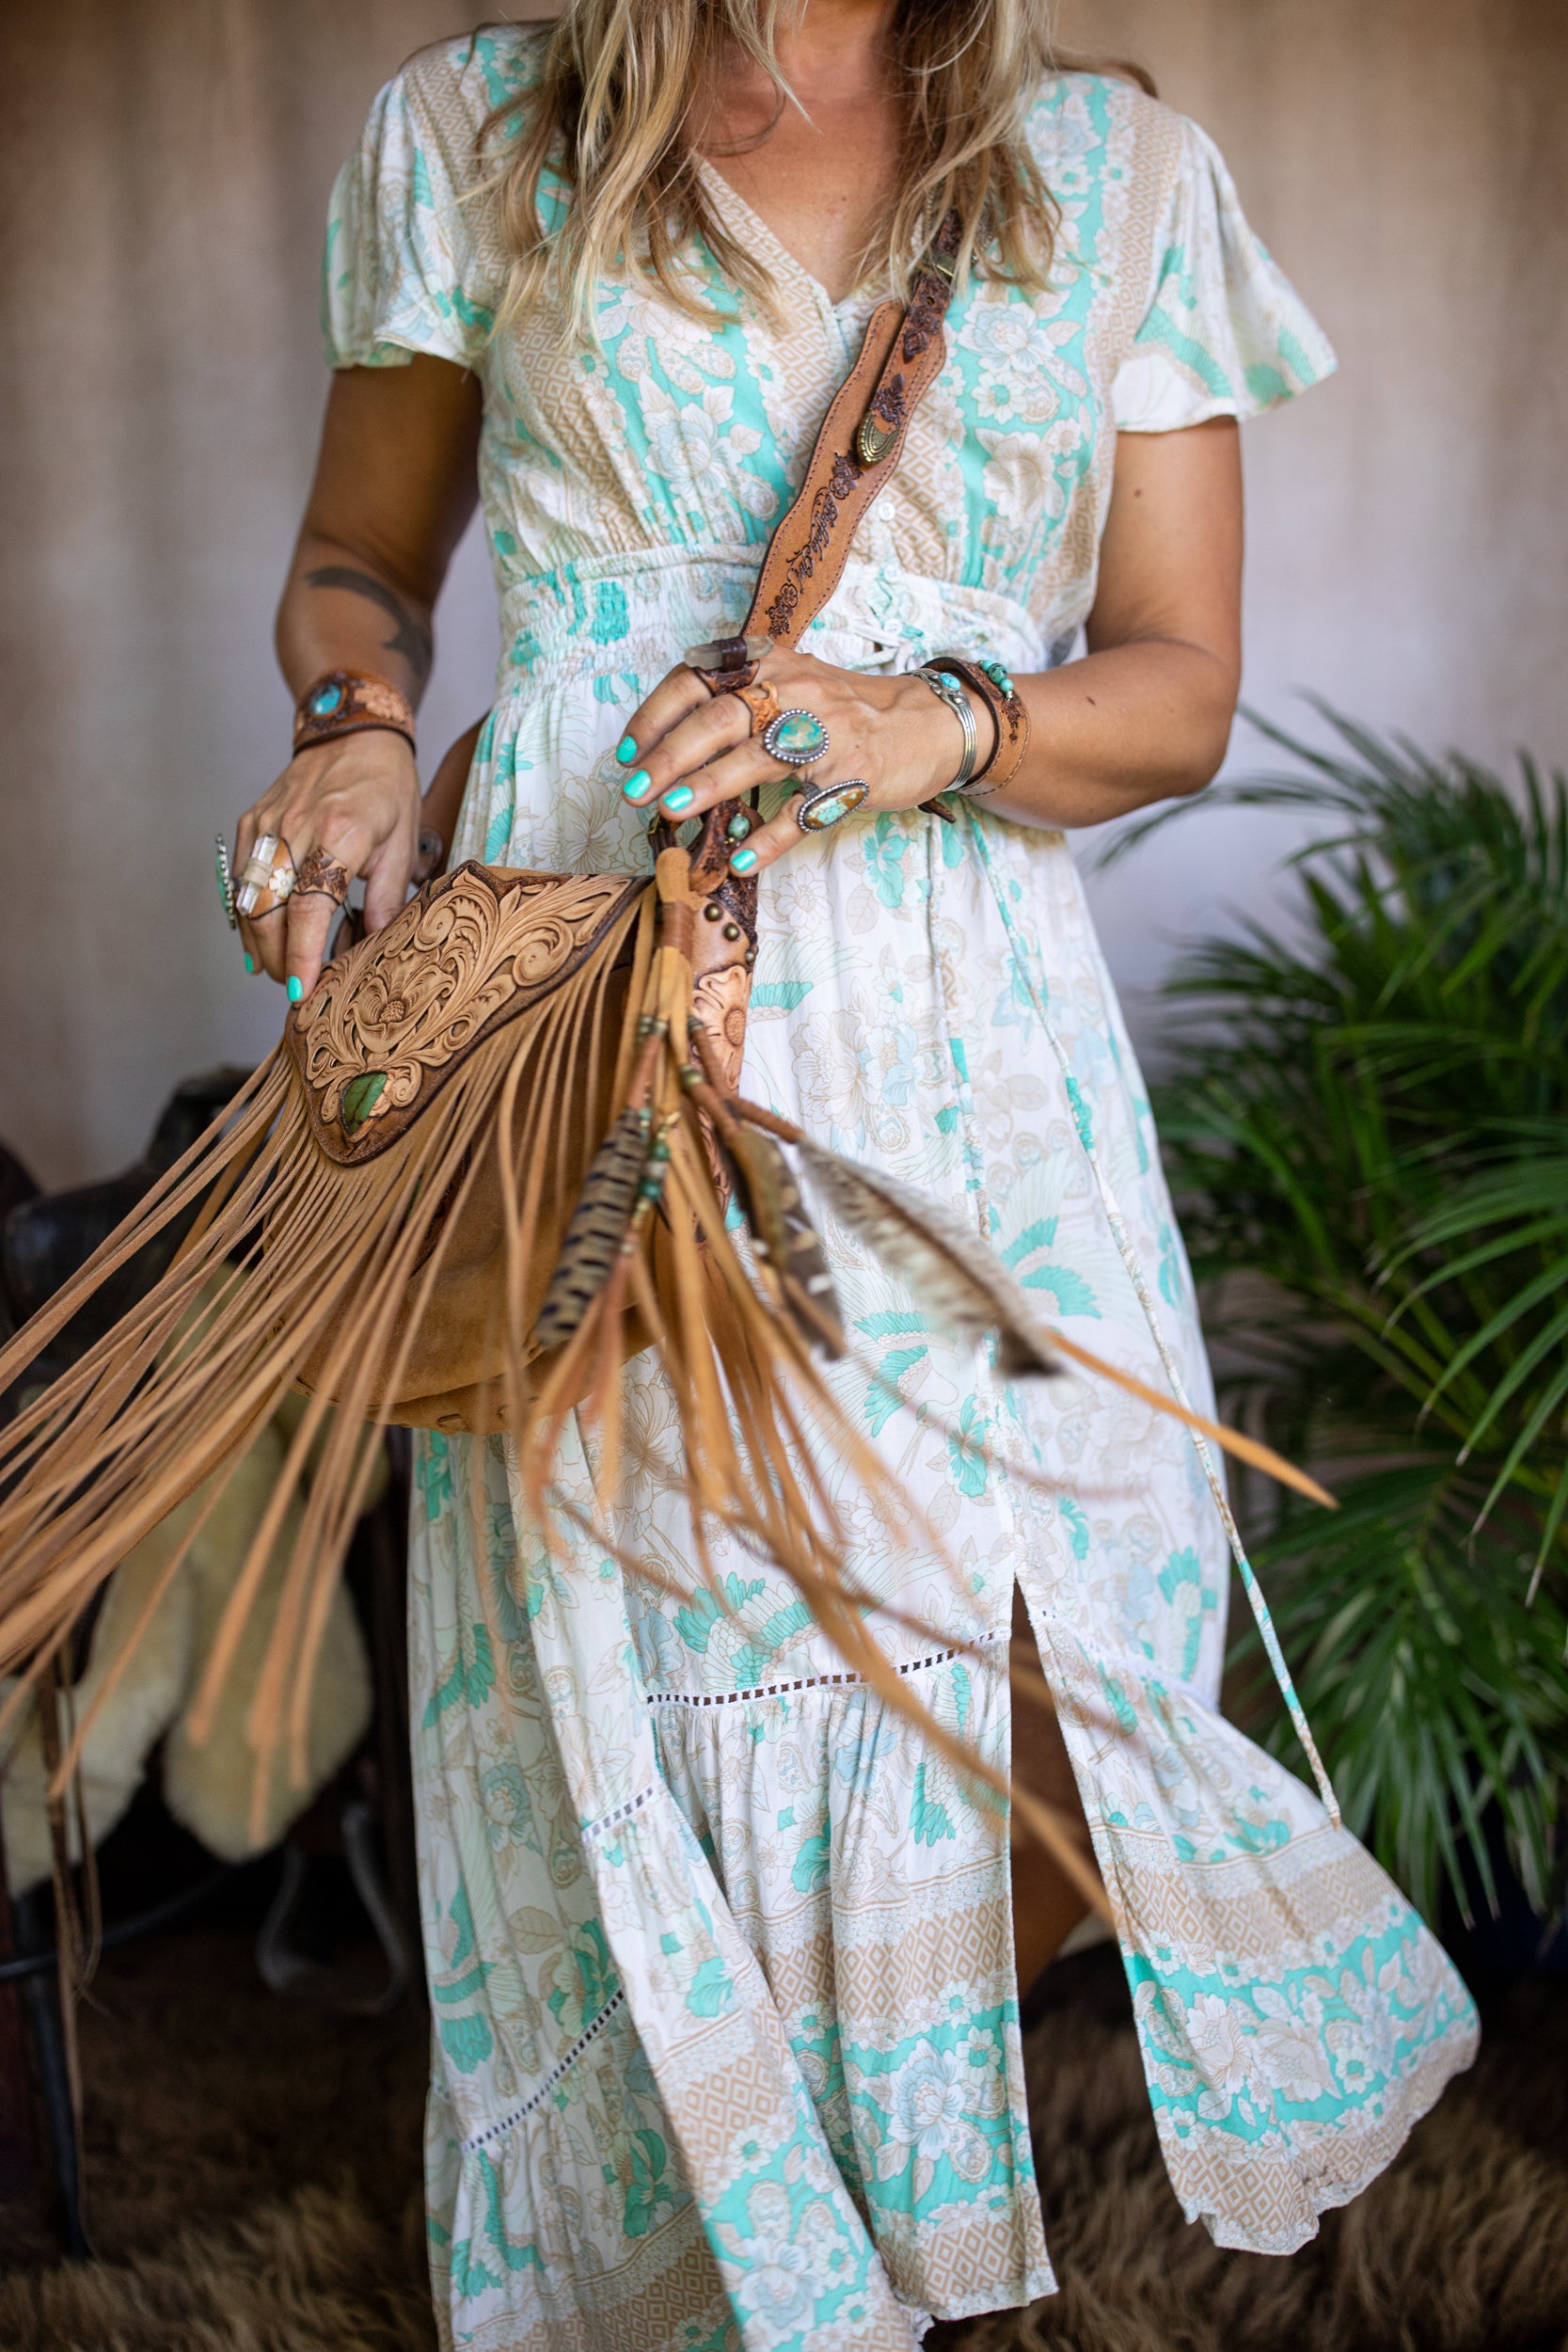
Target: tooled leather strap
pixel 859 446
pixel 857 449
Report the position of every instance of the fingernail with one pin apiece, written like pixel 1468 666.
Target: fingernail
pixel 251 964
pixel 742 861
pixel 636 785
pixel 625 750
pixel 679 797
pixel 297 987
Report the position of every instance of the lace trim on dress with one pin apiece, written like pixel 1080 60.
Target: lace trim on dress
pixel 564 2065
pixel 810 1682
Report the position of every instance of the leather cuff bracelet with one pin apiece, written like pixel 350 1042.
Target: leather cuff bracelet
pixel 990 680
pixel 350 702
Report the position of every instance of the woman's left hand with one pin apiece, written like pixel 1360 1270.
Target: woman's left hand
pixel 687 750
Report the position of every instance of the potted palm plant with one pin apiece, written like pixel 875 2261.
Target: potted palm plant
pixel 1365 1119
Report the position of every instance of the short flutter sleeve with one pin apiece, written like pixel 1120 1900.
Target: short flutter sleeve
pixel 404 270
pixel 1225 333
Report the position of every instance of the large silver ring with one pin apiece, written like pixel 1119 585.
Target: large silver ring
pixel 797 739
pixel 830 804
pixel 269 878
pixel 225 883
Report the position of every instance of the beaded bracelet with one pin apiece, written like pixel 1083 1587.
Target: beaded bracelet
pixel 350 702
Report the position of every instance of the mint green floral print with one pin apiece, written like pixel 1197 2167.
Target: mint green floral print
pixel 726 2053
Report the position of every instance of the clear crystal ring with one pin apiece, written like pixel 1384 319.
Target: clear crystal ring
pixel 269 878
pixel 797 739
pixel 828 805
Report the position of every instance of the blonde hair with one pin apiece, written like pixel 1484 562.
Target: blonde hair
pixel 609 119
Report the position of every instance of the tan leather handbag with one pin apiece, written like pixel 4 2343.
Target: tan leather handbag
pixel 491 1156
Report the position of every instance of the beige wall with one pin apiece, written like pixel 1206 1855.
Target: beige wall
pixel 165 162
pixel 1407 162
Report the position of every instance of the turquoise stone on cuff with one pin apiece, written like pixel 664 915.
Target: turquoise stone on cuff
pixel 796 737
pixel 738 827
pixel 323 704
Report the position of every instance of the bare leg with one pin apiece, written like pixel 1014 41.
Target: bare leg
pixel 1046 1904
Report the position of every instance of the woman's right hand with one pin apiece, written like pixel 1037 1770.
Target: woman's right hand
pixel 357 798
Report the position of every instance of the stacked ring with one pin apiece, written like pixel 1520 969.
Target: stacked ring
pixel 322 874
pixel 225 883
pixel 820 811
pixel 270 877
pixel 762 702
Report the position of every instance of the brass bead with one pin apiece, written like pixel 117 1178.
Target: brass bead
pixel 712 911
pixel 732 930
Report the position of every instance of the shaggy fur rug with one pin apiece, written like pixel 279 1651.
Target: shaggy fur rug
pixel 252 2170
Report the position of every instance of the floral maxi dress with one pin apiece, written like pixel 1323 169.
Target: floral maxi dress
pixel 725 2047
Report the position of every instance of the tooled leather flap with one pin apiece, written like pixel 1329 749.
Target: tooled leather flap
pixel 392 1020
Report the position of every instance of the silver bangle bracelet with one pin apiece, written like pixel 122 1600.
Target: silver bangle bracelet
pixel 948 691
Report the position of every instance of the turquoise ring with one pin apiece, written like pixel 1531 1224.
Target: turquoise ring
pixel 797 739
pixel 830 804
pixel 225 883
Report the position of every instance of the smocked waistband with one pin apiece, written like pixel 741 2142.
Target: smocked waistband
pixel 636 612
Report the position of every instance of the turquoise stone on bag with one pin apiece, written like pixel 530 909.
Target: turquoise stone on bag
pixel 797 736
pixel 360 1097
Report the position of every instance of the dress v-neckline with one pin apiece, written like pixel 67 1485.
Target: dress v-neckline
pixel 758 232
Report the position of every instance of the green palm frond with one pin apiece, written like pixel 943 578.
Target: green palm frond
pixel 1431 1707
pixel 1371 1119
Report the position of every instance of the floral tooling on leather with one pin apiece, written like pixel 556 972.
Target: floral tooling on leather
pixel 391 1022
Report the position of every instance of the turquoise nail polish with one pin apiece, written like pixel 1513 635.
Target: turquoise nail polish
pixel 636 783
pixel 251 964
pixel 296 986
pixel 625 750
pixel 742 861
pixel 679 797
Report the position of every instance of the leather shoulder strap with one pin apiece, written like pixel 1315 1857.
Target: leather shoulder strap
pixel 860 443
pixel 862 437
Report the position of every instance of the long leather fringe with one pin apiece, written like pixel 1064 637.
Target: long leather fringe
pixel 297 1264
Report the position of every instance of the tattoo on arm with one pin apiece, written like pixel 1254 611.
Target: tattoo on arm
pixel 410 638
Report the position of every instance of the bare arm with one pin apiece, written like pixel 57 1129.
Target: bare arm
pixel 1144 715
pixel 394 491
pixel 1147 713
